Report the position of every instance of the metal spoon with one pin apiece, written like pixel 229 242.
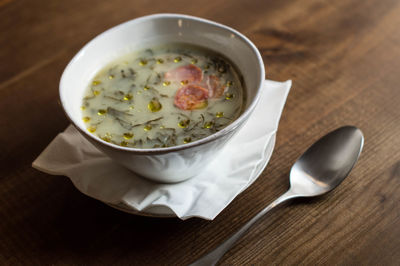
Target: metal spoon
pixel 319 170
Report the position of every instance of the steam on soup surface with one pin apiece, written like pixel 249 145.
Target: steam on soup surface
pixel 161 97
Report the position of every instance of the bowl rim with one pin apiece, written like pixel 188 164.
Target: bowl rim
pixel 230 128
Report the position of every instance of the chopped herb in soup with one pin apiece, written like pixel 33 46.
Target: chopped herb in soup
pixel 161 97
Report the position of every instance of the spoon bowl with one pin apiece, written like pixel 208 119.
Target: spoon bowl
pixel 327 162
pixel 319 170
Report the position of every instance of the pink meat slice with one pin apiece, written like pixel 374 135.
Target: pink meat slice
pixel 214 87
pixel 190 73
pixel 191 97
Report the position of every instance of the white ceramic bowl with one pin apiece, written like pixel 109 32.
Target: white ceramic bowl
pixel 181 162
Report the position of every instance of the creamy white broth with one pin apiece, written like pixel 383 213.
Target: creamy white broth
pixel 163 96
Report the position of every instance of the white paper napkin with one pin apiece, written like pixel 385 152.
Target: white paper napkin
pixel 204 196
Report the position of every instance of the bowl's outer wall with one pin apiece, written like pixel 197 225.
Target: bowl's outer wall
pixel 169 167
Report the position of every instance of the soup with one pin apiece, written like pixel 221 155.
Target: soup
pixel 161 97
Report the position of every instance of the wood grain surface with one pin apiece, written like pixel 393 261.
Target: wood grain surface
pixel 344 59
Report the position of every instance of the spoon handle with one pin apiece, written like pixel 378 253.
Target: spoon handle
pixel 213 257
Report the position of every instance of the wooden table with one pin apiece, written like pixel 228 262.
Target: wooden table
pixel 344 59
